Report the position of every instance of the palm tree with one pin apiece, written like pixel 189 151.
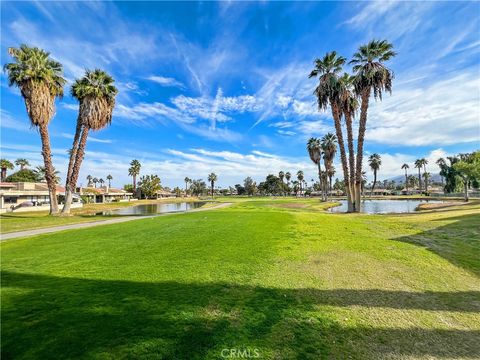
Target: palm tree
pixel 374 161
pixel 370 74
pixel 281 175
pixel 41 173
pixel 300 178
pixel 441 164
pixel 187 181
pixel 288 176
pixel 109 178
pixel 95 181
pixel 40 80
pixel 426 176
pixel 406 167
pixel 89 179
pixel 329 147
pixel 424 163
pixel 23 163
pixel 349 105
pixel 96 95
pixel 5 165
pixel 314 148
pixel 328 92
pixel 101 181
pixel 331 173
pixel 134 171
pixel 212 178
pixel 418 165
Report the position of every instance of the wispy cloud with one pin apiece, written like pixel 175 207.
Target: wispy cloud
pixel 166 81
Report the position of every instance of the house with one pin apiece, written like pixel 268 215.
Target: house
pixel 165 194
pixel 103 194
pixel 379 192
pixel 29 196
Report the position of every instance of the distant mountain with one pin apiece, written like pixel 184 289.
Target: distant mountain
pixel 400 179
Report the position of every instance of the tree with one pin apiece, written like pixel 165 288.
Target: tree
pixel 314 148
pixel 250 186
pixel 198 187
pixel 371 74
pixel 329 147
pixel 328 92
pixel 212 178
pixel 5 165
pixel 187 181
pixel 128 188
pixel 330 173
pixel 300 178
pixel 101 181
pixel 288 176
pixel 418 165
pixel 25 175
pixel 149 185
pixel 468 168
pixel 426 176
pixel 406 167
pixel 441 164
pixel 134 171
pixel 281 176
pixel 96 94
pixel 109 178
pixel 40 80
pixel 95 181
pixel 89 180
pixel 41 173
pixel 23 163
pixel 374 161
pixel 424 163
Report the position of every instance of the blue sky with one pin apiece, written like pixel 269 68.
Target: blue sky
pixel 223 87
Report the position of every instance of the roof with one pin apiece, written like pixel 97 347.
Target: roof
pixel 104 191
pixel 7 184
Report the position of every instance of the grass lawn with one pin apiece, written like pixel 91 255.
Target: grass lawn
pixel 279 278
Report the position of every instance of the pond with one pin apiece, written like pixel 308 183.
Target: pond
pixel 152 209
pixel 384 206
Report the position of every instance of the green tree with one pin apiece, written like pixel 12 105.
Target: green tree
pixel 89 180
pixel 23 163
pixel 418 165
pixel 5 165
pixel 149 185
pixel 329 92
pixel 198 187
pixel 41 173
pixel 187 181
pixel 371 74
pixel 212 178
pixel 314 148
pixel 300 178
pixel 329 148
pixel 468 168
pixel 109 178
pixel 134 171
pixel 96 94
pixel 374 161
pixel 406 167
pixel 25 175
pixel 250 186
pixel 40 80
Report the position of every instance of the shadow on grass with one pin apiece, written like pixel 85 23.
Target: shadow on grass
pixel 458 242
pixel 53 317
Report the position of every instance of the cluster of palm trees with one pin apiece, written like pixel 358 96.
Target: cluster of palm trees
pixel 212 179
pixel 93 180
pixel 324 148
pixel 420 164
pixel 345 94
pixel 41 81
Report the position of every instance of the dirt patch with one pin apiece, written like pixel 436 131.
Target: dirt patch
pixel 438 206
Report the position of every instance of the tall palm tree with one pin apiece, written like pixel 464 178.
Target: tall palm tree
pixel 300 178
pixel 314 148
pixel 406 167
pixel 371 74
pixel 426 176
pixel 374 161
pixel 40 80
pixel 418 165
pixel 281 175
pixel 288 176
pixel 187 181
pixel 95 181
pixel 134 171
pixel 330 173
pixel 212 178
pixel 89 179
pixel 424 163
pixel 109 178
pixel 5 165
pixel 441 164
pixel 23 163
pixel 41 174
pixel 329 147
pixel 349 105
pixel 328 92
pixel 96 94
pixel 101 181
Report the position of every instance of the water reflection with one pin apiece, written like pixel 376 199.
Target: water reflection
pixel 384 206
pixel 152 209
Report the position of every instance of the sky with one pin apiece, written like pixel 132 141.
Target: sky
pixel 223 87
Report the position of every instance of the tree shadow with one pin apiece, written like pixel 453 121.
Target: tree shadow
pixel 53 317
pixel 458 242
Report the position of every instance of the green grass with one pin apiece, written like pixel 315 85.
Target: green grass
pixel 277 275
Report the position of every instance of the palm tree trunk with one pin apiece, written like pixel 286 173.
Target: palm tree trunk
pixel 426 179
pixel 73 152
pixel 419 181
pixel 406 180
pixel 212 184
pixel 75 171
pixel 4 174
pixel 319 165
pixel 374 182
pixel 49 170
pixel 351 158
pixel 465 188
pixel 361 137
pixel 343 155
pixel 134 182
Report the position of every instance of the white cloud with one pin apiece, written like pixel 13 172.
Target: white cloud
pixel 7 121
pixel 166 81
